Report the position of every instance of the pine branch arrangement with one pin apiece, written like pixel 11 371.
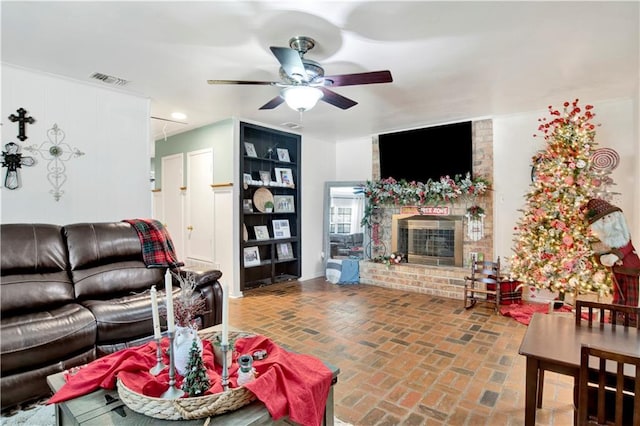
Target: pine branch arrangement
pixel 189 304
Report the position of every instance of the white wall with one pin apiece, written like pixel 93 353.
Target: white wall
pixel 110 182
pixel 318 167
pixel 514 145
pixel 354 160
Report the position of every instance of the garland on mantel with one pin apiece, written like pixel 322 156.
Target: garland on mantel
pixel 402 193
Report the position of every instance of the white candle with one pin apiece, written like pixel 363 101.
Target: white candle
pixel 225 315
pixel 155 313
pixel 168 287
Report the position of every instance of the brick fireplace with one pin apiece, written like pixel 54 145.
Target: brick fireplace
pixel 439 243
pixel 428 240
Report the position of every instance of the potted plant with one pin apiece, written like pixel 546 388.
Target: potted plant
pixel 268 206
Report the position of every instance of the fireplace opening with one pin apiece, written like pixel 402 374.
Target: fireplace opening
pixel 431 240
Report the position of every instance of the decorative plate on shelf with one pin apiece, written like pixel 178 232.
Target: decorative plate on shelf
pixel 261 196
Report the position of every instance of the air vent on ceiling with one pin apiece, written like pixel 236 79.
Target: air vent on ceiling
pixel 109 79
pixel 292 126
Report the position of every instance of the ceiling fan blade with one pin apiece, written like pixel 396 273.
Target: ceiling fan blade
pixel 273 103
pixel 269 83
pixel 359 78
pixel 290 61
pixel 337 100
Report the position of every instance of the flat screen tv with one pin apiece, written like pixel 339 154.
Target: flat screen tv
pixel 427 153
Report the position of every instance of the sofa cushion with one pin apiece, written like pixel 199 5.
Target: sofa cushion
pixel 33 267
pixel 32 385
pixel 34 339
pixel 124 318
pixel 106 260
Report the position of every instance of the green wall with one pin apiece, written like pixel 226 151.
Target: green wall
pixel 218 136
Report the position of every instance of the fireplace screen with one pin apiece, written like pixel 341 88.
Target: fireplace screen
pixel 431 240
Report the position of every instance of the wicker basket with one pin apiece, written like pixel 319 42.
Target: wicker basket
pixel 187 408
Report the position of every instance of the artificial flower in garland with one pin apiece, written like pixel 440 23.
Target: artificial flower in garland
pixel 392 192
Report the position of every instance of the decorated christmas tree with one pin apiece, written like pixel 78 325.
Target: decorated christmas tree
pixel 196 382
pixel 553 243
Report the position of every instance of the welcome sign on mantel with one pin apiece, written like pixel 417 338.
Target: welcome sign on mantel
pixel 426 210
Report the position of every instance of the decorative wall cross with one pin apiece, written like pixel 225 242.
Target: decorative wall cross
pixel 22 120
pixel 13 160
pixel 57 153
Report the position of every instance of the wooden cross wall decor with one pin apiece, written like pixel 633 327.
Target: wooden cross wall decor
pixel 22 120
pixel 13 160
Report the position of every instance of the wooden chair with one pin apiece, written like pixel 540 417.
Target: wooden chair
pixel 626 316
pixel 484 279
pixel 602 402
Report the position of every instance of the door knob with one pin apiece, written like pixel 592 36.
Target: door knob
pixel 189 228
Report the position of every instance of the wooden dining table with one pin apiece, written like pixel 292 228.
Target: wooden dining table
pixel 553 342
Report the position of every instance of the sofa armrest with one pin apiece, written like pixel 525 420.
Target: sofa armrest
pixel 202 277
pixel 210 290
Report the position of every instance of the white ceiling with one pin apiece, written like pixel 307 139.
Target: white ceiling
pixel 450 61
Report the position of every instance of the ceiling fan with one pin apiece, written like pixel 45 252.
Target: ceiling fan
pixel 303 80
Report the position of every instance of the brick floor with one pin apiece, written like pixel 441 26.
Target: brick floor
pixel 405 358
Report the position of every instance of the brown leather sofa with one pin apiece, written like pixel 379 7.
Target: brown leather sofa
pixel 70 294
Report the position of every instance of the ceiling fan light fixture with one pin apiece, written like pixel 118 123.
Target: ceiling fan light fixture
pixel 301 98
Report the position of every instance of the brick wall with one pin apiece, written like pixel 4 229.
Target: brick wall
pixel 447 281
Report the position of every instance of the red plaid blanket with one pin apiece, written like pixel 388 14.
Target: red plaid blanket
pixel 157 247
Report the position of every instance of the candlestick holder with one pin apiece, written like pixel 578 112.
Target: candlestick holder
pixel 225 367
pixel 173 392
pixel 156 369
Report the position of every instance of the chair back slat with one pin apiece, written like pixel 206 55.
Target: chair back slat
pixel 483 273
pixel 623 315
pixel 597 398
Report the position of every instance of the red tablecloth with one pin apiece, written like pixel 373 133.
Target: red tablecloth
pixel 288 383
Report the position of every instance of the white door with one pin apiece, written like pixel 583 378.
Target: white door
pixel 173 200
pixel 199 206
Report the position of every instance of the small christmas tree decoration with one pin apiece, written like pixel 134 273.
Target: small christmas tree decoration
pixel 196 382
pixel 553 243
